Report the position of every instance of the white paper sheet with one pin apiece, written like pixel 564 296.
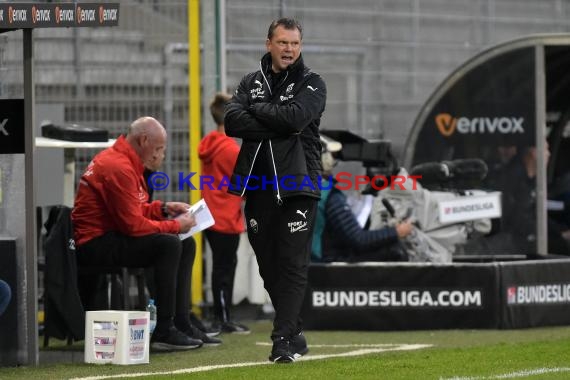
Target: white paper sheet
pixel 204 218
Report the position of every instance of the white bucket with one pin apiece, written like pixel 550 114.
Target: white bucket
pixel 118 337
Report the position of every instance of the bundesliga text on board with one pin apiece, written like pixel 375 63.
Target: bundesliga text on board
pixel 409 298
pixel 538 294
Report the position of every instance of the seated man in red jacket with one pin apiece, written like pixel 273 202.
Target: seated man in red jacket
pixel 114 225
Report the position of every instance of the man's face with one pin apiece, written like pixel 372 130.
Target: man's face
pixel 284 46
pixel 153 148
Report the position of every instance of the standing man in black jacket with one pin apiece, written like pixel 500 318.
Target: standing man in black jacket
pixel 276 111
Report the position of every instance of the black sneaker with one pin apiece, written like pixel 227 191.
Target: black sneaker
pixel 233 328
pixel 299 345
pixel 211 332
pixel 209 341
pixel 281 351
pixel 173 340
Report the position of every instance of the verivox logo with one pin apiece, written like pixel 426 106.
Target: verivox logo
pixel 16 15
pixel 107 14
pixel 85 15
pixel 64 15
pixel 40 15
pixel 448 125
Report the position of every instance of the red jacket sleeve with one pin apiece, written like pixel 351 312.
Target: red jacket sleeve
pixel 126 202
pixel 153 210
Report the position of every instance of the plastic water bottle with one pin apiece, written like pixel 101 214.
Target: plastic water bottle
pixel 151 308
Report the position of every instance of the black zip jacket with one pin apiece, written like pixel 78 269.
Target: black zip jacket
pixel 279 124
pixel 65 315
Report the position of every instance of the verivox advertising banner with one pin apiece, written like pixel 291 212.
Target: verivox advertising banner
pixel 489 106
pixel 486 110
pixel 54 15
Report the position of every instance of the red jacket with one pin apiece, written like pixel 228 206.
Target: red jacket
pixel 218 153
pixel 112 196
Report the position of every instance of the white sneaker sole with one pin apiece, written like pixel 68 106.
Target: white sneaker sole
pixel 238 332
pixel 283 359
pixel 159 346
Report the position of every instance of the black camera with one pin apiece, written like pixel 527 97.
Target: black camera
pixel 372 154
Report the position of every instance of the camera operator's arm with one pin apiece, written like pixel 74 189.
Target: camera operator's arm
pixel 344 225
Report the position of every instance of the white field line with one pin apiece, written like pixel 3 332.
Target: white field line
pixel 402 347
pixel 512 375
pixel 373 345
pixel 379 348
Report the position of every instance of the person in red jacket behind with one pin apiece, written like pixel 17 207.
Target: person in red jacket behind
pixel 218 154
pixel 114 225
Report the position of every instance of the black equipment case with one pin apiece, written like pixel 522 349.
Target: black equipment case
pixel 74 132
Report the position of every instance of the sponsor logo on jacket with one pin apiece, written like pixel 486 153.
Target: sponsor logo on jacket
pixel 288 94
pixel 258 91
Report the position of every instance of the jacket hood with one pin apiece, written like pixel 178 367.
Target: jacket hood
pixel 211 145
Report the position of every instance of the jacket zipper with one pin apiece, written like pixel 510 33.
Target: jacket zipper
pixel 267 82
pixel 279 199
pixel 265 79
pixel 251 169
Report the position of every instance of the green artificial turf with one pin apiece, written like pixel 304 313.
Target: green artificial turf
pixel 463 354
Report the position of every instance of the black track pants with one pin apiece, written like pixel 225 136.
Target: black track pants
pixel 171 259
pixel 224 261
pixel 281 237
